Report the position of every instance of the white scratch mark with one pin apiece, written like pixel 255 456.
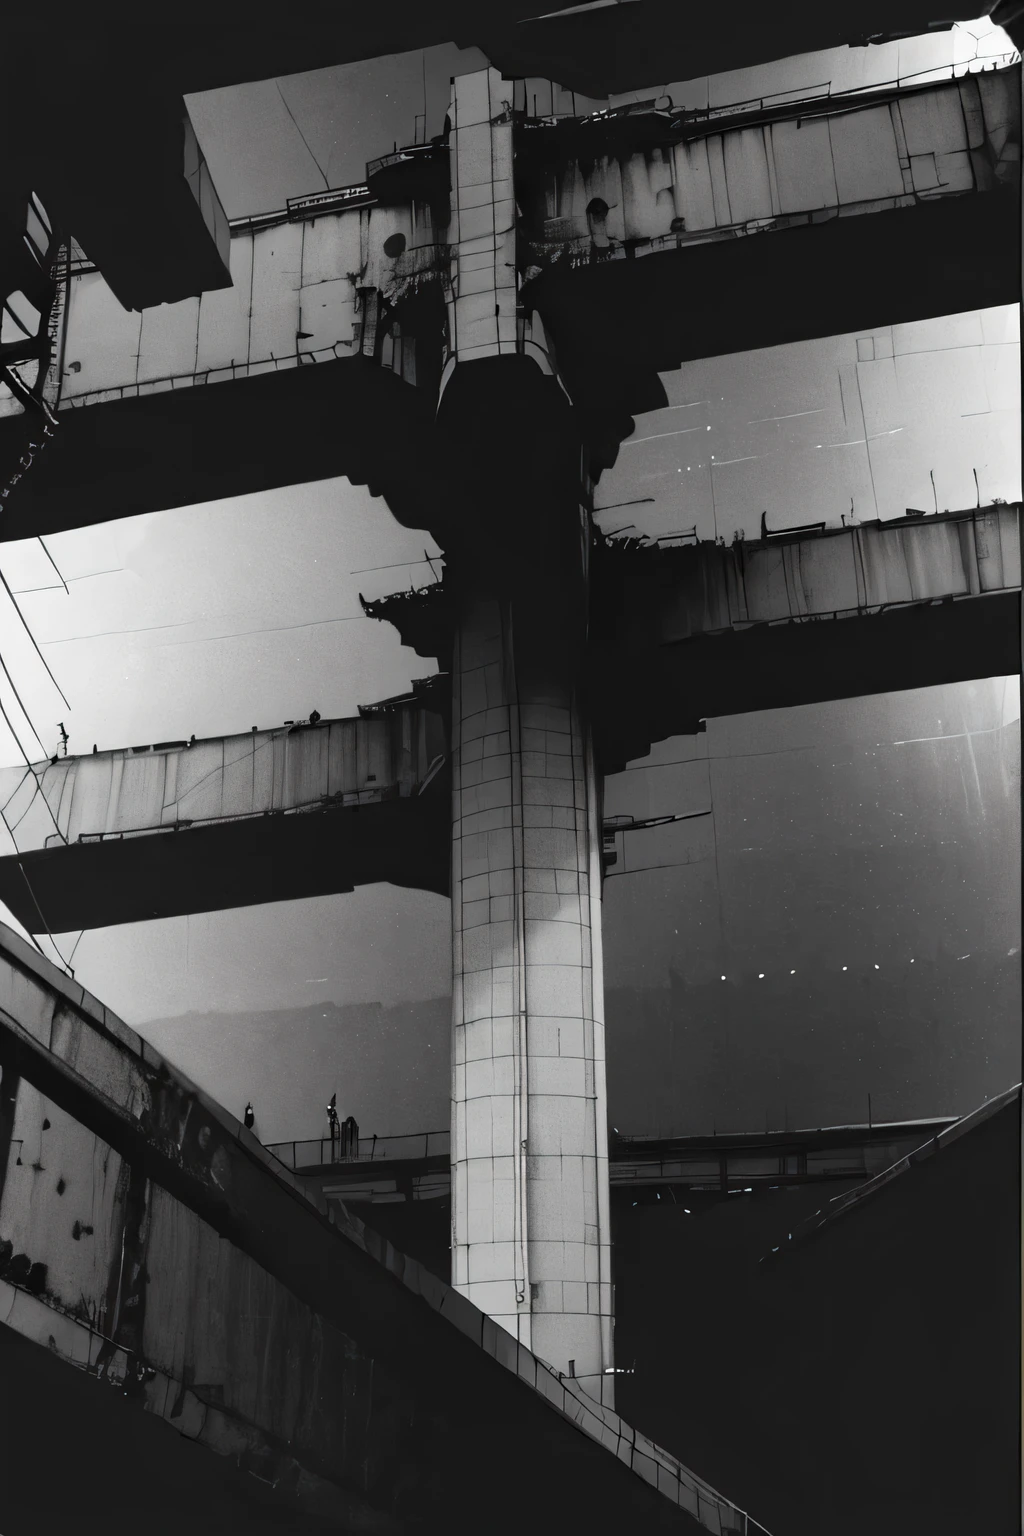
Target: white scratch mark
pixel 633 442
pixel 818 411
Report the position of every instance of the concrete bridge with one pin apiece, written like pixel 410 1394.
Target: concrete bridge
pixel 152 1251
pixel 492 405
pixel 218 387
pixel 798 618
pixel 679 634
pixel 302 810
pixel 684 631
pixel 107 74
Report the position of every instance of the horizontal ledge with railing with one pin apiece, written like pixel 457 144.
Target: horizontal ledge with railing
pixel 326 1151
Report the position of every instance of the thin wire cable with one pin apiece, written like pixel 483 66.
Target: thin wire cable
pixel 24 591
pixel 31 770
pixel 46 552
pixel 396 565
pixel 27 774
pixel 234 634
pixel 25 712
pixel 10 727
pixel 71 957
pixel 35 903
pixel 302 136
pixel 32 637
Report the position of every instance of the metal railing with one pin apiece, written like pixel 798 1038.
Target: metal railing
pixel 325 1152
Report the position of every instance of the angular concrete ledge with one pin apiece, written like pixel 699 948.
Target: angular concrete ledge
pixel 854 1198
pixel 61 1045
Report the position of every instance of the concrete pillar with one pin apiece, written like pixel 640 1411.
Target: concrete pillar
pixel 530 1203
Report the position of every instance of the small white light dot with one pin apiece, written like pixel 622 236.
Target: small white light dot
pixel 876 967
pixel 844 967
pixel 792 973
pixel 760 975
pixel 723 978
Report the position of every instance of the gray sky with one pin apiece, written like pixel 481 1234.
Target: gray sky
pixel 245 613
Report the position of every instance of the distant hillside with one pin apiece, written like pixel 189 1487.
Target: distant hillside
pixel 389 1065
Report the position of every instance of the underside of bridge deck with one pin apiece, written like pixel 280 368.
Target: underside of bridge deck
pixel 618 324
pixel 235 864
pixel 615 326
pixel 775 666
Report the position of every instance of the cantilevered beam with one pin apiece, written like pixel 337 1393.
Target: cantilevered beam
pixel 842 229
pixel 179 827
pixel 687 634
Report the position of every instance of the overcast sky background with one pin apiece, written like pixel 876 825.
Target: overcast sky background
pixel 839 835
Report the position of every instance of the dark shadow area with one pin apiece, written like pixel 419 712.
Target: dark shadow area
pixel 864 1377
pixel 617 324
pixel 639 699
pixel 159 1481
pixel 234 864
pixel 182 447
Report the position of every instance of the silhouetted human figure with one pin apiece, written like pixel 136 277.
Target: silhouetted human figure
pixel 314 717
pixel 250 1118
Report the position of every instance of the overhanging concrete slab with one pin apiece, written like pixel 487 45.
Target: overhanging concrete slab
pixel 187 446
pixel 145 833
pixel 618 324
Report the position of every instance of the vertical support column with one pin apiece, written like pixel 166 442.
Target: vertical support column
pixel 482 232
pixel 530 1207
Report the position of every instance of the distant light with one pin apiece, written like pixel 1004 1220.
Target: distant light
pixel 723 978
pixel 686 1212
pixel 876 967
pixel 911 959
pixel 748 1191
pixel 792 973
pixel 760 975
pixel 845 967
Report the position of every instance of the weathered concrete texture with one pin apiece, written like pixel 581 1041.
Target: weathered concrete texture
pixel 895 266
pixel 149 1241
pixel 530 1241
pixel 705 588
pixel 633 185
pixel 302 292
pixel 301 810
pixel 685 633
pixel 402 285
pixel 678 634
pixel 290 769
pixel 482 302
